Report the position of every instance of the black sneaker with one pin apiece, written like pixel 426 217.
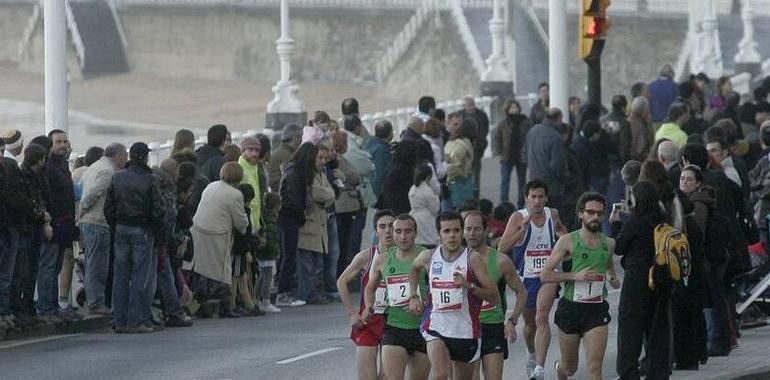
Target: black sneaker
pixel 179 321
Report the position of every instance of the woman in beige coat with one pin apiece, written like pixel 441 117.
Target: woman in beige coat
pixel 458 153
pixel 220 211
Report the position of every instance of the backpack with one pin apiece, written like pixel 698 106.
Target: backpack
pixel 672 258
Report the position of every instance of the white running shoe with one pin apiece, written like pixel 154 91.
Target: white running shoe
pixel 538 373
pixel 270 308
pixel 531 364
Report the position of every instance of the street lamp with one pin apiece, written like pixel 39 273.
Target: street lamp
pixel 286 106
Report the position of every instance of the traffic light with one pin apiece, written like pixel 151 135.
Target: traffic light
pixel 592 28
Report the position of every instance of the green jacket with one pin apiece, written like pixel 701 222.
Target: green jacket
pixel 272 236
pixel 672 132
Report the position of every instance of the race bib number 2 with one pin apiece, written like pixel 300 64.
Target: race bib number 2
pixel 398 290
pixel 589 291
pixel 446 296
pixel 535 262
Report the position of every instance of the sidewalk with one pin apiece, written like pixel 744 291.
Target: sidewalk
pixel 88 323
pixel 748 361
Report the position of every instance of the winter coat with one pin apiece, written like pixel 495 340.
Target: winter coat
pixel 251 177
pixel 61 201
pixel 459 156
pixel 619 133
pixel 313 235
pixel 509 138
pixel 642 137
pixel 663 92
pixel 545 156
pixel 18 207
pixel 350 198
pixel 210 160
pixel 361 161
pixel 295 195
pixel 95 182
pixel 381 156
pixel 482 130
pixel 278 157
pixel 425 205
pixel 592 156
pixel 133 199
pixel 672 132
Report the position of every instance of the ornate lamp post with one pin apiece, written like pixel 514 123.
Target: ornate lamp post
pixel 747 59
pixel 285 107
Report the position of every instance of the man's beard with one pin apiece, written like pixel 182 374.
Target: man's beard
pixel 593 226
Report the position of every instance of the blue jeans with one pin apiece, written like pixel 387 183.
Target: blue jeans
pixel 505 181
pixel 332 257
pixel 133 253
pixel 96 244
pixel 309 267
pixel 150 286
pixel 9 247
pixel 49 266
pixel 167 286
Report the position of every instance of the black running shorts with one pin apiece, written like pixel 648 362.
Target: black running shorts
pixel 460 350
pixel 493 340
pixel 579 318
pixel 409 339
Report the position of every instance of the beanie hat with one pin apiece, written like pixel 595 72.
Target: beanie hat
pixel 13 139
pixel 250 142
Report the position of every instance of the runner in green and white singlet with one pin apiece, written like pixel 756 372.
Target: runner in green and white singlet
pixel 495 328
pixel 583 311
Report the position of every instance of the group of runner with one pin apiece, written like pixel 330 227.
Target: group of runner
pixel 442 312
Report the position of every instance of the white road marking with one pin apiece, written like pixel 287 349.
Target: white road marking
pixel 39 340
pixel 309 354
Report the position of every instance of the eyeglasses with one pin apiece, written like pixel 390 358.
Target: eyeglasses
pixel 594 212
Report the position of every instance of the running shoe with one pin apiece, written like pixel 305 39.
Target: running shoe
pixel 270 308
pixel 538 373
pixel 531 364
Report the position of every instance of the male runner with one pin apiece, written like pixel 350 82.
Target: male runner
pixel 583 312
pixel 495 328
pixel 402 340
pixel 367 337
pixel 531 234
pixel 457 282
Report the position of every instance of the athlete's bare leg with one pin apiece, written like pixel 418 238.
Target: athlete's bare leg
pixel 530 327
pixel 570 349
pixel 492 366
pixel 545 300
pixel 462 371
pixel 596 343
pixel 366 362
pixel 439 359
pixel 394 359
pixel 419 367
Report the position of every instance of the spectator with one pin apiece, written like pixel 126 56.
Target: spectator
pixel 721 159
pixel 575 104
pixel 220 213
pixel 232 153
pixel 668 155
pixel 61 207
pixel 183 139
pixel 509 140
pixel 264 159
pixel 618 129
pixel 425 107
pixel 380 150
pixel 718 101
pixel 14 145
pixel 663 92
pixel 249 162
pixel 678 116
pixel 92 155
pixel 425 205
pixel 640 89
pixel 267 256
pixel 135 211
pixel 348 205
pixel 593 148
pixel 94 230
pixel 243 250
pixel 459 155
pixel 480 118
pixel 750 112
pixel 211 156
pixel 642 135
pixel 291 136
pixel 546 156
pixel 630 175
pixel 539 111
pixel 731 110
pixel 313 239
pixel 411 149
pixel 760 182
pixel 296 182
pixel 362 163
pixel 432 133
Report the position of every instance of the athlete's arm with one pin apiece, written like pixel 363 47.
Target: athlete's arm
pixel 420 263
pixel 349 274
pixel 559 252
pixel 514 282
pixel 559 228
pixel 371 287
pixel 486 289
pixel 514 232
pixel 613 276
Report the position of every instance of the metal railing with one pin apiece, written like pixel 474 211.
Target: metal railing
pixel 538 27
pixel 76 39
pixel 29 31
pixel 467 37
pixel 403 40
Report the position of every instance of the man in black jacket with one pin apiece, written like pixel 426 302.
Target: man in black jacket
pixel 211 156
pixel 60 204
pixel 135 211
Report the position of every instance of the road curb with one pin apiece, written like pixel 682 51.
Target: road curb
pixel 44 329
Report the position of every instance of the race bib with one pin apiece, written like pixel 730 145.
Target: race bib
pixel 380 299
pixel 446 296
pixel 398 290
pixel 486 306
pixel 589 291
pixel 534 261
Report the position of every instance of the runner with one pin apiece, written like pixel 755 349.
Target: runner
pixel 583 311
pixel 531 234
pixel 367 337
pixel 458 281
pixel 495 328
pixel 402 340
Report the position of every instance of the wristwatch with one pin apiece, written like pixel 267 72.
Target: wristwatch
pixel 512 321
pixel 370 310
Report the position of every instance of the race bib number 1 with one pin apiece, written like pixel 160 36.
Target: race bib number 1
pixel 589 291
pixel 535 262
pixel 398 290
pixel 446 296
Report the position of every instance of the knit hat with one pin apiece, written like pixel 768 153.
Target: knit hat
pixel 139 151
pixel 250 142
pixel 13 139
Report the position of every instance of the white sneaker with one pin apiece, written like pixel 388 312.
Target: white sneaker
pixel 267 307
pixel 531 364
pixel 538 373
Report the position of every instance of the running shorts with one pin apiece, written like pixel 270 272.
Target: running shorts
pixel 579 318
pixel 493 340
pixel 409 339
pixel 460 350
pixel 533 287
pixel 371 334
